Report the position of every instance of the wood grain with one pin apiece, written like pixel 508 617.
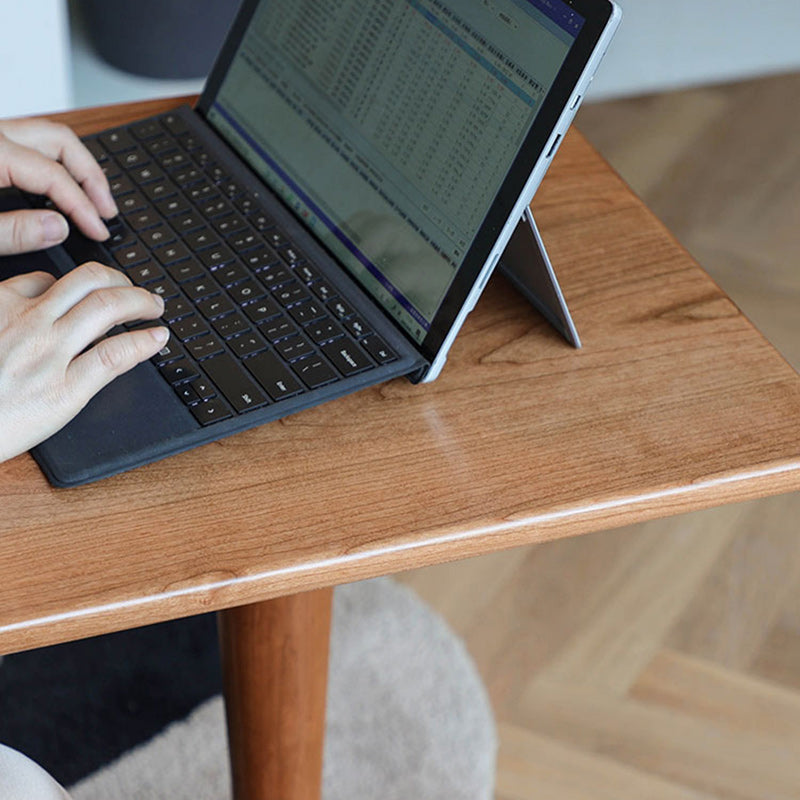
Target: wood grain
pixel 675 403
pixel 675 644
pixel 275 669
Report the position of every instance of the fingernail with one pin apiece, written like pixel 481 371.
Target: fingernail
pixel 160 300
pixel 160 335
pixel 54 228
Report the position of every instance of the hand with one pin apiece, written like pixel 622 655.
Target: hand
pixel 47 375
pixel 47 158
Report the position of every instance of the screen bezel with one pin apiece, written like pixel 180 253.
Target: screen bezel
pixel 597 14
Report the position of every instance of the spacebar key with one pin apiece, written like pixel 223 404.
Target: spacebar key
pixel 273 375
pixel 239 389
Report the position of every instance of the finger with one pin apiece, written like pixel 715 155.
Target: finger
pixel 102 310
pixel 31 171
pixel 68 291
pixel 94 369
pixel 59 142
pixel 25 231
pixel 30 285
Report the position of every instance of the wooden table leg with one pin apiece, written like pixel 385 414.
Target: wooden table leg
pixel 275 670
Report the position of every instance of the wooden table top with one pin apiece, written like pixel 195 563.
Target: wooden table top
pixel 675 403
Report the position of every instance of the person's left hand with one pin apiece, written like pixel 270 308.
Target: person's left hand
pixel 48 158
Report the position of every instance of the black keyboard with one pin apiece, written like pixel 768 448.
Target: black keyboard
pixel 252 321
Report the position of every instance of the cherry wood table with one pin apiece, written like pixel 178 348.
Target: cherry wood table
pixel 676 403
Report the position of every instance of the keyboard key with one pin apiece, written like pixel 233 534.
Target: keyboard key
pixel 189 327
pixel 187 393
pixel 324 291
pixel 204 347
pixel 218 207
pixel 231 273
pixel 97 150
pixel 172 206
pixel 189 141
pixel 177 307
pixel 378 349
pixel 357 327
pixel 201 238
pixel 174 161
pixel 294 347
pixel 147 174
pixel 121 185
pixel 260 258
pixel 111 169
pixel 178 371
pixel 142 274
pixel 347 356
pixel 164 287
pixel 121 237
pixel 129 256
pixel 239 389
pixel 247 344
pixel 244 240
pixel 204 388
pixel 135 157
pixel 171 351
pixel 276 238
pixel 303 313
pixel 273 375
pixel 141 220
pixel 231 325
pixel 171 253
pixel 291 255
pixel 161 145
pixel 157 235
pixel 324 331
pixel 216 256
pixel 186 270
pixel 341 309
pixel 200 288
pixel 277 329
pixel 133 201
pixel 159 190
pixel 305 272
pixel 187 221
pixel 262 310
pixel 146 130
pixel 215 306
pixel 274 276
pixel 174 124
pixel 210 411
pixel 314 371
pixel 216 173
pixel 261 222
pixel 117 141
pixel 202 191
pixel 188 177
pixel 230 189
pixel 291 293
pixel 227 226
pixel 246 204
pixel 246 291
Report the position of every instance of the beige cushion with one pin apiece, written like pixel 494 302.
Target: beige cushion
pixel 22 779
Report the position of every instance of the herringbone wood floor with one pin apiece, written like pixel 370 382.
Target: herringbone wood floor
pixel 662 661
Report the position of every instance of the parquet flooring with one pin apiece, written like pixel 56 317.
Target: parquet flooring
pixel 662 661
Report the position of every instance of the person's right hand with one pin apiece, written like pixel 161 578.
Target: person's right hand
pixel 47 374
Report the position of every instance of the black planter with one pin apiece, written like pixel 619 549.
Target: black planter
pixel 158 38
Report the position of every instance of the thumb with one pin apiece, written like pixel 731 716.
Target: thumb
pixel 23 231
